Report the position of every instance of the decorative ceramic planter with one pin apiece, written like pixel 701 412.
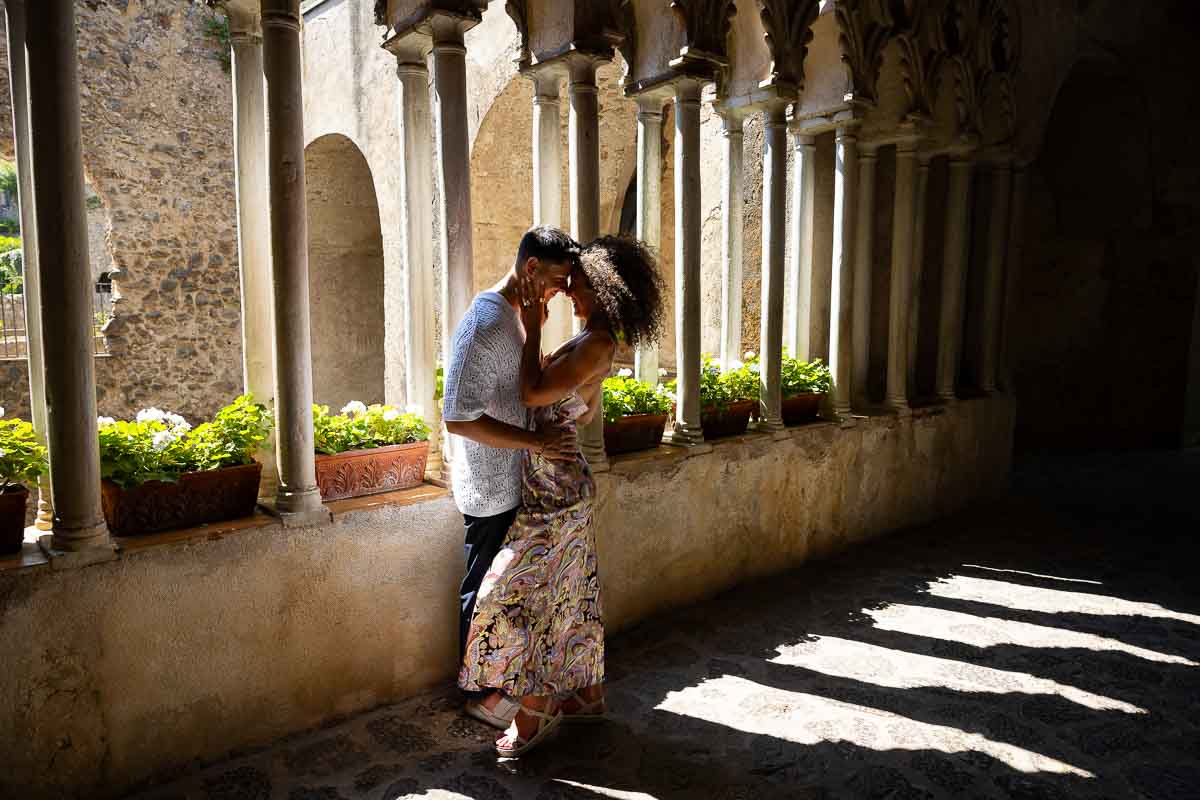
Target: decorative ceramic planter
pixel 12 518
pixel 800 408
pixel 634 432
pixel 731 421
pixel 355 473
pixel 196 498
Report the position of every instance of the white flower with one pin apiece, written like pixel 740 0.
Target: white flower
pixel 756 368
pixel 150 415
pixel 662 372
pixel 625 373
pixel 736 365
pixel 390 415
pixel 177 423
pixel 3 452
pixel 162 440
pixel 354 407
pixel 716 363
pixel 749 355
pixel 1 411
pixel 102 421
pixel 414 409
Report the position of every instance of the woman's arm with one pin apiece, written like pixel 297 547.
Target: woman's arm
pixel 543 385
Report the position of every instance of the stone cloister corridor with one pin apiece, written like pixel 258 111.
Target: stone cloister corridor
pixel 1044 645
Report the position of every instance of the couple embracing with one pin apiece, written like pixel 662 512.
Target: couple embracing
pixel 531 633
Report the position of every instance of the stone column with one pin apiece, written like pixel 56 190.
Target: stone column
pixel 79 534
pixel 547 184
pixel 649 210
pixel 841 311
pixel 297 498
pixel 416 186
pixel 954 265
pixel 918 269
pixel 731 239
pixel 584 140
pixel 1012 276
pixel 686 428
pixel 22 144
pixel 774 241
pixel 900 286
pixel 804 187
pixel 993 291
pixel 864 256
pixel 254 225
pixel 450 124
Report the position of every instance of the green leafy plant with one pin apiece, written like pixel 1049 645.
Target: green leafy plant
pixel 721 386
pixel 8 179
pixel 804 377
pixel 22 458
pixel 9 243
pixel 160 446
pixel 361 427
pixel 216 28
pixel 625 396
pixel 10 227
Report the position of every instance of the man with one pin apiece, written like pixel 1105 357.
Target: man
pixel 489 426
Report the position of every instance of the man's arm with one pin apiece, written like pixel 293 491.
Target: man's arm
pixel 552 442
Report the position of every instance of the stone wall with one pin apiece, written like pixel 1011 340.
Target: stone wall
pixel 157 138
pixel 181 652
pixel 1106 328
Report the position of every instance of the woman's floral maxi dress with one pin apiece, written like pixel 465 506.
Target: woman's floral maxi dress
pixel 537 627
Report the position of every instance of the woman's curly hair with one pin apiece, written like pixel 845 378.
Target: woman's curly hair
pixel 623 273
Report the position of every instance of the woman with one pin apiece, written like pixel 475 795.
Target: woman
pixel 537 633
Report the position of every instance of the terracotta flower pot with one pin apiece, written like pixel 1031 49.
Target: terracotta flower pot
pixel 12 518
pixel 800 408
pixel 634 432
pixel 730 421
pixel 196 498
pixel 355 473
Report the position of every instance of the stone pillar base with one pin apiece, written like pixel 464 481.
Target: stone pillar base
pixel 293 517
pixel 94 553
pixel 683 435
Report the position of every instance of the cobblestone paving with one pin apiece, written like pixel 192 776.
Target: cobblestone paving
pixel 1045 646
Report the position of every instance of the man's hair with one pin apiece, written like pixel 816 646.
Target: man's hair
pixel 547 243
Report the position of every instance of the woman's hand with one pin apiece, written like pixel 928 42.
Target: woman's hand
pixel 533 314
pixel 531 291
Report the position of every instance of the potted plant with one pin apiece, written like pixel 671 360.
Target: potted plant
pixel 803 384
pixel 635 413
pixel 22 461
pixel 728 397
pixel 368 449
pixel 159 473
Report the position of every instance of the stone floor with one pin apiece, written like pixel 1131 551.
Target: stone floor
pixel 1043 646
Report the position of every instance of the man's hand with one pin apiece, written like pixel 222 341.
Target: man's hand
pixel 557 443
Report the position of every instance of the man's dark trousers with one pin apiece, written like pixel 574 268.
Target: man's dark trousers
pixel 484 537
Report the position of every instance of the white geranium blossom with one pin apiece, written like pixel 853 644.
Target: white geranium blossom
pixel 662 372
pixel 151 415
pixel 3 452
pixel 354 407
pixel 177 423
pixel 625 372
pixel 390 415
pixel 736 365
pixel 716 363
pixel 755 367
pixel 414 409
pixel 102 421
pixel 749 355
pixel 162 440
pixel 1 411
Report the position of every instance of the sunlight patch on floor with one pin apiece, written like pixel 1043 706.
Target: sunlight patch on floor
pixel 1034 574
pixel 899 669
pixel 810 719
pixel 1050 601
pixel 602 791
pixel 981 631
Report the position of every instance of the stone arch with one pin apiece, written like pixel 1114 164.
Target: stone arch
pixel 1105 280
pixel 345 274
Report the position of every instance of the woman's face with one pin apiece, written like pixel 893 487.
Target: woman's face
pixel 583 299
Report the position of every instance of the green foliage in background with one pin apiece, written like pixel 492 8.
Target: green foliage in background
pixel 160 446
pixel 22 459
pixel 362 427
pixel 625 396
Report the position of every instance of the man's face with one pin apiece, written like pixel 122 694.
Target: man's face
pixel 553 276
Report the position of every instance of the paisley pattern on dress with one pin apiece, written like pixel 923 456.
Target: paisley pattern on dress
pixel 537 628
